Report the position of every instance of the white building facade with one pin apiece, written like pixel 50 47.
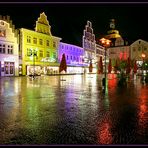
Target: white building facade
pixel 9 58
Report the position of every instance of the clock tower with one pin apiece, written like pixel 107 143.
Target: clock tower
pixel 112 23
pixel 112 33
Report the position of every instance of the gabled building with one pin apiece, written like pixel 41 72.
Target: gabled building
pixel 9 60
pixel 119 49
pixel 38 48
pixel 92 50
pixel 138 48
pixel 89 44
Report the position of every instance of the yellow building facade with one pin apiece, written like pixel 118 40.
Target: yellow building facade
pixel 38 49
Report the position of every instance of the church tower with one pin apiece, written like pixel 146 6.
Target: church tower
pixel 112 33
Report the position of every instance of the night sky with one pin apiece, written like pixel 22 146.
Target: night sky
pixel 68 20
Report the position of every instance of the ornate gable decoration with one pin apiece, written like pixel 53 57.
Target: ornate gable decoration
pixel 43 19
pixel 42 24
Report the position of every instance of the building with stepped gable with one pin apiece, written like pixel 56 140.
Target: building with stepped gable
pixel 9 52
pixel 38 49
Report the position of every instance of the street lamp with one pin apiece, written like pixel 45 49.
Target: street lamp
pixel 105 43
pixel 34 54
pixel 143 56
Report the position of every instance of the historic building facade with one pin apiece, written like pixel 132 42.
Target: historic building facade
pixel 138 48
pixel 38 49
pixel 9 61
pixel 92 50
pixel 74 57
pixel 119 49
pixel 89 45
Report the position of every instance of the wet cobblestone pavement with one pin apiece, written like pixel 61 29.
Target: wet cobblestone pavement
pixel 49 110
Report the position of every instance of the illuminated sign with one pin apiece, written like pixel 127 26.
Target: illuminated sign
pixel 9 59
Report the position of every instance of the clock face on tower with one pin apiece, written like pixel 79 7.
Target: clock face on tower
pixel 112 25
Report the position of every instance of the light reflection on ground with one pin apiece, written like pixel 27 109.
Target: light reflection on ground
pixel 48 110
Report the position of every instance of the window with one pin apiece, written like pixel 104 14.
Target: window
pixel 6 68
pixel 134 49
pixel 54 55
pixel 67 57
pixel 11 67
pixel 29 52
pixel 145 48
pixel 9 49
pixel 41 53
pixel 35 40
pixel 139 48
pixel 47 42
pixel 2 48
pixel 41 42
pixel 28 39
pixel 48 54
pixel 54 44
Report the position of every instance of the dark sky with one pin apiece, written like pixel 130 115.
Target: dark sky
pixel 68 20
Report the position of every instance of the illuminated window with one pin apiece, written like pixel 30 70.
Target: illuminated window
pixel 35 40
pixel 47 43
pixel 41 42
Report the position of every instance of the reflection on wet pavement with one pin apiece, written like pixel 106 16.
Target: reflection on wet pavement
pixel 76 111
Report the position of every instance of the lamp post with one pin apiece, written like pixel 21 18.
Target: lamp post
pixel 143 56
pixel 33 53
pixel 105 43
